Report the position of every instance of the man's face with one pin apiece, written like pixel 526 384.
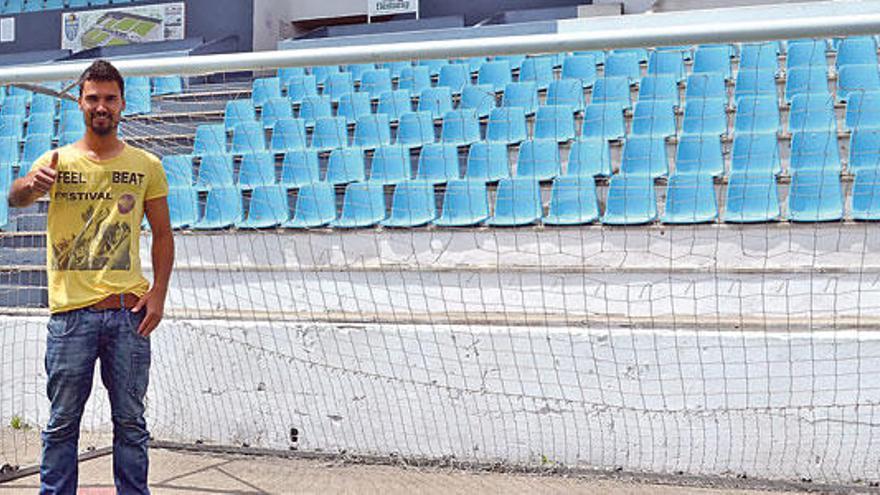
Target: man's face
pixel 101 103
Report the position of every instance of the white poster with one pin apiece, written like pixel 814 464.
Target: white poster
pixel 7 29
pixel 386 7
pixel 122 26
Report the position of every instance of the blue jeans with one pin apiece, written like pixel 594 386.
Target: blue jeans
pixel 76 339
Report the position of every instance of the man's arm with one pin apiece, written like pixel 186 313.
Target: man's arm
pixel 35 184
pixel 163 260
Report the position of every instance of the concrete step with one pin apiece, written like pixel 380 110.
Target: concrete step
pixel 30 240
pixel 31 223
pixel 23 297
pixel 23 276
pixel 23 257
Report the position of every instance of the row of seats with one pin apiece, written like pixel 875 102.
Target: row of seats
pixel 690 199
pixel 18 6
pixel 536 158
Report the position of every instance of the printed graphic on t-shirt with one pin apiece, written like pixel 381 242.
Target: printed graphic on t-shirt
pixel 105 201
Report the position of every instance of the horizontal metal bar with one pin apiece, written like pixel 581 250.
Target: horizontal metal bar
pixel 844 19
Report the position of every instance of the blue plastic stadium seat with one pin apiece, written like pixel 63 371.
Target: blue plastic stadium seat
pixel 806 80
pixel 713 60
pixel 863 111
pixel 659 87
pixel 183 206
pixel 455 77
pixel 604 121
pixel 866 195
pixel 8 151
pixel 589 157
pixel 517 202
pixel 42 104
pixel 40 123
pixel 487 162
pixel 460 127
pixel 631 201
pixel 372 131
pixel 209 139
pixel 437 100
pixel 755 154
pixel 412 205
pixel 69 121
pixel 812 113
pixel 704 117
pixel 248 137
pixel 554 122
pixel 521 94
pixel 857 79
pixel 390 165
pixel 705 87
pixel 495 73
pixel 581 68
pixel 538 70
pixel 572 201
pixel 376 82
pixel 137 101
pixel 215 170
pixel 623 65
pixel 690 198
pixel 814 150
pixel 860 50
pixel 268 208
pixel 611 90
pixel 566 92
pixel 222 209
pixel 515 61
pixel 864 150
pixel 34 146
pixel 434 65
pixel 397 67
pixel 815 196
pixel 300 167
pixel 345 165
pixel 275 109
pixel 762 56
pixel 357 71
pixel 667 63
pixel 298 87
pixel 413 79
pixel 539 159
pixel 178 170
pixel 751 197
pixel 338 84
pixel 699 155
pixel 756 114
pixel 330 133
pixel 465 203
pixel 257 169
pixel 353 106
pixel 11 125
pixel 264 88
pixel 137 82
pixel 478 97
pixel 641 54
pixel 755 83
pixel 806 53
pixel 362 206
pixel 394 104
pixel 507 125
pixel 438 163
pixel 645 156
pixel 315 206
pixel 288 134
pixel 415 129
pixel 238 111
pixel 653 118
pixel 286 74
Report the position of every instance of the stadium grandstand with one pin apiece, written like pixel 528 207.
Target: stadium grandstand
pixel 534 245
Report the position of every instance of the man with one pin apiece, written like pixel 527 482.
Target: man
pixel 102 306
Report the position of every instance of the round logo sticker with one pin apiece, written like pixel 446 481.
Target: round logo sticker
pixel 126 203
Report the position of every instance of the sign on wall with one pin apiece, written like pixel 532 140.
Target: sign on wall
pixel 386 7
pixel 122 26
pixel 7 29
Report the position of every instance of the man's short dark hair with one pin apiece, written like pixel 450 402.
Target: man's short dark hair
pixel 101 70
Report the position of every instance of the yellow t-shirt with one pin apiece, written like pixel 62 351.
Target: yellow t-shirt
pixel 95 214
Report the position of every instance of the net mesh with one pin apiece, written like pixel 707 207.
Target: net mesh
pixel 552 277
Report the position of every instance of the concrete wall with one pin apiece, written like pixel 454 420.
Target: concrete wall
pixel 475 11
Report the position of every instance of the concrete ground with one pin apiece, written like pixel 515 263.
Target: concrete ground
pixel 174 472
